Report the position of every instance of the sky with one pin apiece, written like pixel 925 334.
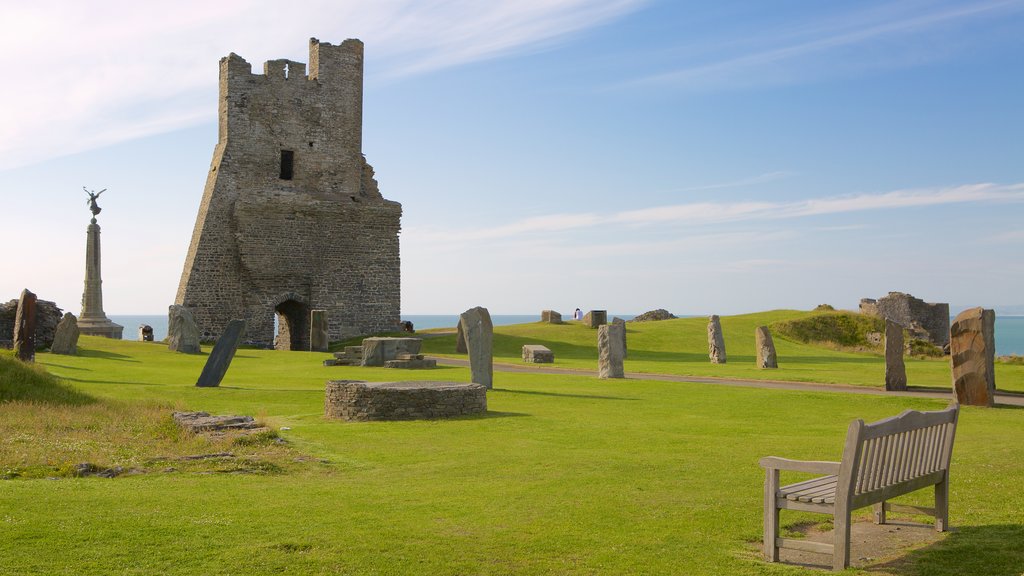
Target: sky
pixel 702 157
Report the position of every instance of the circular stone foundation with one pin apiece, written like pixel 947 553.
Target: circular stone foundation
pixel 359 401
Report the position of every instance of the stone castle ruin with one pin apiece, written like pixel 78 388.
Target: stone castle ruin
pixel 925 320
pixel 291 219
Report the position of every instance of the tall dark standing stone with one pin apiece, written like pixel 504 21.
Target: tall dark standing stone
pixel 972 348
pixel 716 341
pixel 766 357
pixel 610 351
pixel 318 337
pixel 479 332
pixel 220 358
pixel 65 338
pixel 25 327
pixel 460 338
pixel 895 369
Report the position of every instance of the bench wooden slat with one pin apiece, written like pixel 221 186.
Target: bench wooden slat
pixel 805 545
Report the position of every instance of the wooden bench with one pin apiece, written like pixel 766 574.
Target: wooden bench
pixel 880 461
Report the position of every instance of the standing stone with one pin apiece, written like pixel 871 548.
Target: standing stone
pixel 479 332
pixel 972 348
pixel 182 332
pixel 610 351
pixel 766 357
pixel 895 369
pixel 145 333
pixel 223 352
pixel 716 341
pixel 25 327
pixel 65 339
pixel 550 317
pixel 318 337
pixel 625 349
pixel 460 338
pixel 93 320
pixel 595 318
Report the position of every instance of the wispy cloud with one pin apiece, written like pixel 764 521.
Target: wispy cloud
pixel 97 73
pixel 779 58
pixel 708 213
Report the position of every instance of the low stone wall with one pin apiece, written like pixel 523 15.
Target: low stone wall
pixel 358 401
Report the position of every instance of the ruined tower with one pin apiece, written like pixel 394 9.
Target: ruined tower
pixel 291 219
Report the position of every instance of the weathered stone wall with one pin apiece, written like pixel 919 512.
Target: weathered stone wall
pixel 359 401
pixel 322 239
pixel 914 314
pixel 48 315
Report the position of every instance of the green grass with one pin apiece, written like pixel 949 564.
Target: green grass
pixel 565 475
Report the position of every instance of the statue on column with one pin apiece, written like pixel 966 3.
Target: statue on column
pixel 93 206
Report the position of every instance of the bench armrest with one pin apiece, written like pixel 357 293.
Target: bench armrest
pixel 812 466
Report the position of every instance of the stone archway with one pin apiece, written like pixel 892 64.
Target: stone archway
pixel 292 324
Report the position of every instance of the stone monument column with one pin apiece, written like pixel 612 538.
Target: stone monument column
pixel 93 321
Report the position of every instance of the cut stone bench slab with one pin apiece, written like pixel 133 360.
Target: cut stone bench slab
pixel 358 401
pixel 537 354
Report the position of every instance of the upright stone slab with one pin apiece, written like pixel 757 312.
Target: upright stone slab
pixel 182 332
pixel 223 352
pixel 895 369
pixel 765 348
pixel 65 339
pixel 595 318
pixel 319 339
pixel 550 317
pixel 25 327
pixel 610 352
pixel 378 350
pixel 716 341
pixel 972 346
pixel 621 322
pixel 460 338
pixel 479 332
pixel 145 333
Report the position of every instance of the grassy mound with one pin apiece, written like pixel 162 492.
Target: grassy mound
pixel 31 383
pixel 842 329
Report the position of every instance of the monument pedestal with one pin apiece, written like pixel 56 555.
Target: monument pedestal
pixel 93 321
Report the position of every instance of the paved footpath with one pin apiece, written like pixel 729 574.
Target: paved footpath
pixel 1009 398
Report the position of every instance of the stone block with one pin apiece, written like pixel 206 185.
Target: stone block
pixel 182 332
pixel 765 348
pixel 223 352
pixel 716 341
pixel 359 401
pixel 972 344
pixel 479 332
pixel 378 350
pixel 895 369
pixel 595 318
pixel 65 340
pixel 550 317
pixel 625 348
pixel 610 353
pixel 537 354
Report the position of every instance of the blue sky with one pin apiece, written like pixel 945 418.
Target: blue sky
pixel 626 155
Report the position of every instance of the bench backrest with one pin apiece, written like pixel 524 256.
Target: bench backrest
pixel 896 451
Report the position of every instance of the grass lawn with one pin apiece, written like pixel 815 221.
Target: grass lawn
pixel 565 475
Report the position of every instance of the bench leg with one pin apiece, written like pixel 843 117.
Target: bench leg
pixel 880 512
pixel 771 515
pixel 942 505
pixel 841 540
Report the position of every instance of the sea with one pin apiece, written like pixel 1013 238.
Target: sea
pixel 1009 329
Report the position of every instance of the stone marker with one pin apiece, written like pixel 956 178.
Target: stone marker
pixel 220 358
pixel 625 349
pixel 358 401
pixel 595 318
pixel 765 348
pixel 182 332
pixel 716 341
pixel 25 327
pixel 895 369
pixel 972 346
pixel 537 354
pixel 460 338
pixel 378 350
pixel 65 339
pixel 609 351
pixel 48 315
pixel 479 332
pixel 145 333
pixel 318 338
pixel 550 317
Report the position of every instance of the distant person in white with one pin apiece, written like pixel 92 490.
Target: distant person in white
pixel 577 315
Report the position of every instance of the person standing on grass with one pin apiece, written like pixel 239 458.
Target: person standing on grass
pixel 577 315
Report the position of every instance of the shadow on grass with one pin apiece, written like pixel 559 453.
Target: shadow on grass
pixel 996 550
pixel 563 395
pixel 105 355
